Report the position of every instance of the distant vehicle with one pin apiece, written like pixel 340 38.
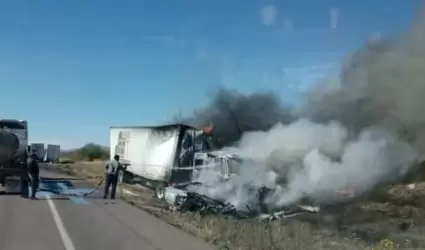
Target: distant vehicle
pixel 159 156
pixel 39 149
pixel 53 153
pixel 14 152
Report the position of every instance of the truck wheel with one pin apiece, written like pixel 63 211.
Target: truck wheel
pixel 159 191
pixel 127 177
pixel 24 187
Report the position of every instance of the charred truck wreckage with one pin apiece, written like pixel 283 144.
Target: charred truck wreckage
pixel 179 162
pixel 182 201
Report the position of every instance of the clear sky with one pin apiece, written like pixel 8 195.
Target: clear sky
pixel 72 68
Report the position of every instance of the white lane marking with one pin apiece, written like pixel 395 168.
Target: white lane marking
pixel 66 240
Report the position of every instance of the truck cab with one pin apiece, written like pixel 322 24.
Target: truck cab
pixel 225 164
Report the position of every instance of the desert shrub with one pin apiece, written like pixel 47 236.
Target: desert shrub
pixel 88 152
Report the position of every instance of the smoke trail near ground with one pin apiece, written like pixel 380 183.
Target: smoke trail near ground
pixel 363 129
pixel 373 158
pixel 309 160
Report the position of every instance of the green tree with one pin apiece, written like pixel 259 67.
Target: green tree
pixel 92 151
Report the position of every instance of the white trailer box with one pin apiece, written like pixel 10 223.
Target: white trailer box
pixel 147 153
pixel 160 155
pixel 39 150
pixel 53 153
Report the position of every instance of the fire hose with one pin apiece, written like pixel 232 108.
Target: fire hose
pixel 90 191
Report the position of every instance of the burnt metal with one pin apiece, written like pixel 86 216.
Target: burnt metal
pixel 205 205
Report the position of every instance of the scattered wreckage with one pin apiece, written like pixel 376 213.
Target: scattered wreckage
pixel 225 166
pixel 184 201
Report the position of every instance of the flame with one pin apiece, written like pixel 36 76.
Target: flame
pixel 209 130
pixel 346 192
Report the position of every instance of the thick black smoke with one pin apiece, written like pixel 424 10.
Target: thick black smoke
pixel 234 113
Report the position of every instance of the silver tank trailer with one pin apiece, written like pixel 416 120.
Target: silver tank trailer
pixel 9 146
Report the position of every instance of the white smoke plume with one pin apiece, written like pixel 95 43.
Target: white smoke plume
pixel 309 160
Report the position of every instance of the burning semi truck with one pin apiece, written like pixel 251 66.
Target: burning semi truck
pixel 13 152
pixel 167 155
pixel 174 159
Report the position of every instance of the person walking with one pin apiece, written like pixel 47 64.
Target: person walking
pixel 113 169
pixel 34 171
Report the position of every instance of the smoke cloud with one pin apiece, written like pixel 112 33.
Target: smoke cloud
pixel 382 83
pixel 364 128
pixel 234 113
pixel 309 160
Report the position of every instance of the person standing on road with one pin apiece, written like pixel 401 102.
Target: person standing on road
pixel 113 169
pixel 34 171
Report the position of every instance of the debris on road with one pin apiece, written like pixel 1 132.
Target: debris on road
pixel 287 213
pixel 183 201
pixel 129 192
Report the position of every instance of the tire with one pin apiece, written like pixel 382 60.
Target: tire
pixel 24 189
pixel 127 177
pixel 2 178
pixel 159 191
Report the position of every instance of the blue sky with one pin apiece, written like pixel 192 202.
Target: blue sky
pixel 73 68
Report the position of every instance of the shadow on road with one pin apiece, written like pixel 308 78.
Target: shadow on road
pixel 9 193
pixel 44 198
pixel 52 198
pixel 67 179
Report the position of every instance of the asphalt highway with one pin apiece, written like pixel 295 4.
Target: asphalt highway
pixel 55 222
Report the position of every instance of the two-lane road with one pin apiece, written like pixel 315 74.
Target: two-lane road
pixel 85 224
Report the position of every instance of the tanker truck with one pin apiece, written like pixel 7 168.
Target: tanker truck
pixel 13 153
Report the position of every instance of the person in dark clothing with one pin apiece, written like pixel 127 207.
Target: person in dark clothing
pixel 113 169
pixel 34 171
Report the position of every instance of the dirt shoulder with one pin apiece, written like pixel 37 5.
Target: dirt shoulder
pixel 394 219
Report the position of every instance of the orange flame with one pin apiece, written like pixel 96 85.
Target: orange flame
pixel 209 130
pixel 346 192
